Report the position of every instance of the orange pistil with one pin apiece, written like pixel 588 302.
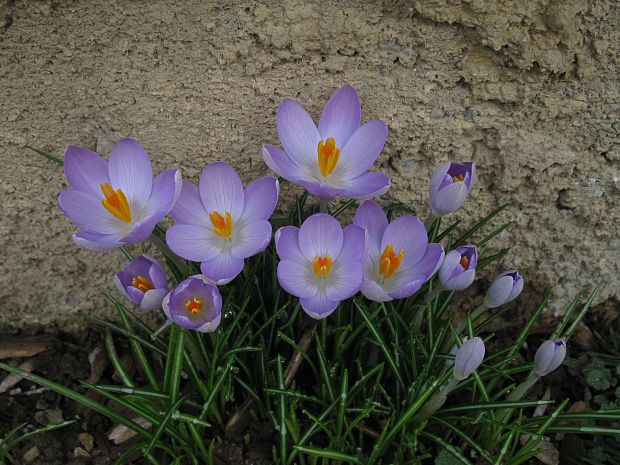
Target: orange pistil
pixel 142 284
pixel 223 226
pixel 459 178
pixel 328 155
pixel 193 306
pixel 322 266
pixel 390 261
pixel 115 202
pixel 464 262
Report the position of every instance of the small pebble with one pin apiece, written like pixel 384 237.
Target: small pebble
pixel 54 415
pixel 437 113
pixel 79 452
pixel 31 455
pixel 15 392
pixel 87 441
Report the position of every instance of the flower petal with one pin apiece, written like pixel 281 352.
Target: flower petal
pixel 341 116
pixel 287 244
pixel 372 218
pixel 221 190
pixel 449 265
pixel 251 239
pixel 152 299
pixel 413 285
pixel 85 170
pixel 319 236
pixel 210 326
pixel 409 234
pixel 373 291
pixel 319 306
pixel 96 242
pixel 222 268
pixel 450 198
pixel 88 213
pixel 189 209
pixel 130 170
pixel 347 272
pixel 193 242
pixel 261 197
pixel 297 278
pixel 462 281
pixel 366 185
pixel 280 163
pixel 438 179
pixel 142 230
pixel 165 193
pixel 321 190
pixel 430 262
pixel 298 133
pixel 362 149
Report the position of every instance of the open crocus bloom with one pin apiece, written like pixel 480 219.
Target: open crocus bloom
pixel 320 263
pixel 333 159
pixel 219 224
pixel 399 258
pixel 195 303
pixel 458 269
pixel 116 201
pixel 143 282
pixel 450 184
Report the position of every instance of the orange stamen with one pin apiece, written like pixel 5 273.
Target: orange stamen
pixel 390 261
pixel 193 306
pixel 328 155
pixel 116 202
pixel 464 262
pixel 142 284
pixel 322 266
pixel 459 178
pixel 223 226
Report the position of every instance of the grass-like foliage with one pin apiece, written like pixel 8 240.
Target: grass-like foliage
pixel 352 388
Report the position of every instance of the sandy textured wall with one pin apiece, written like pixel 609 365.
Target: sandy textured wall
pixel 526 88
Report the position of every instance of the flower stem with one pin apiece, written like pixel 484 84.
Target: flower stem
pixel 436 401
pixel 419 317
pixel 430 219
pixel 474 316
pixel 519 392
pixel 323 202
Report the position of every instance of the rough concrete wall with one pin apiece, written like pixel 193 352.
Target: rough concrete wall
pixel 527 88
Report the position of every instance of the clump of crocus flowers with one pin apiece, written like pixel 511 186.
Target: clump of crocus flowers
pixel 219 223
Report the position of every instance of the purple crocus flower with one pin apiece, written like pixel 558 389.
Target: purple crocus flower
pixel 321 263
pixel 143 282
pixel 399 258
pixel 549 356
pixel 333 159
pixel 219 223
pixel 450 184
pixel 117 201
pixel 458 269
pixel 506 287
pixel 468 357
pixel 195 303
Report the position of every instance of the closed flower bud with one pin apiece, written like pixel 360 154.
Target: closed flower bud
pixel 505 288
pixel 450 184
pixel 458 269
pixel 143 282
pixel 468 357
pixel 549 356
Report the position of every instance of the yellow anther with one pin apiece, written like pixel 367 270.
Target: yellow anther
pixel 459 178
pixel 142 283
pixel 322 266
pixel 328 155
pixel 464 262
pixel 223 225
pixel 193 306
pixel 390 261
pixel 115 202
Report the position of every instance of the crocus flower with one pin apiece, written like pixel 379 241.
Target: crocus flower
pixel 321 263
pixel 549 356
pixel 195 303
pixel 468 357
pixel 333 159
pixel 399 259
pixel 450 184
pixel 458 269
pixel 219 224
pixel 117 201
pixel 505 288
pixel 143 282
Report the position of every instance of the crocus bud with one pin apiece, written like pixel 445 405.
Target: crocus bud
pixel 468 357
pixel 506 287
pixel 143 282
pixel 450 184
pixel 195 303
pixel 458 269
pixel 549 356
